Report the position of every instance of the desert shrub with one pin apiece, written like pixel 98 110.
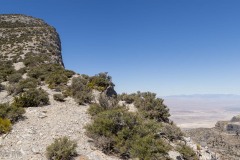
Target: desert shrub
pixel 32 98
pixel 56 79
pixel 53 74
pixel 43 70
pixel 107 102
pixel 58 97
pixel 22 70
pixel 32 59
pixel 152 107
pixel 62 149
pixel 23 85
pixel 11 89
pixel 80 91
pixel 5 125
pixel 128 98
pixel 6 68
pixel 148 148
pixel 37 72
pixel 14 78
pixel 108 124
pixel 100 81
pixel 124 133
pixel 84 76
pixel 172 132
pixel 187 152
pixel 95 109
pixel 11 112
pixel 28 83
pixel 69 73
pixel 67 91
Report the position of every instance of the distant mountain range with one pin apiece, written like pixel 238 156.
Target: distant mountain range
pixel 205 96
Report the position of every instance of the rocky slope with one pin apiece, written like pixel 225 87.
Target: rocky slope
pixel 29 137
pixel 223 139
pixel 31 48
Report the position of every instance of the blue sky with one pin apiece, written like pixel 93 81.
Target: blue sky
pixel 165 46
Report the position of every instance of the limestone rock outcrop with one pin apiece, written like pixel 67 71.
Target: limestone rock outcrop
pixel 21 35
pixel 232 126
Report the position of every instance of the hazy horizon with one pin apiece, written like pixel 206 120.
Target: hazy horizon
pixel 195 111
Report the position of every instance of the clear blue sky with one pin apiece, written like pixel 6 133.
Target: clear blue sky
pixel 165 46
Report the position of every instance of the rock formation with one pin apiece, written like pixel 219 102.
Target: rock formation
pixel 20 35
pixel 223 139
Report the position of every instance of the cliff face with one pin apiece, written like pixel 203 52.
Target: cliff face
pixel 21 35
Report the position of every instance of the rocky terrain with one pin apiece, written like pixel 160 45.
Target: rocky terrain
pixel 223 139
pixel 31 62
pixel 29 138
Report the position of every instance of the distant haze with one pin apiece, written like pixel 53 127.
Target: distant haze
pixel 202 110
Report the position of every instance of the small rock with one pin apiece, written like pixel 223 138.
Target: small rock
pixel 31 131
pixel 188 139
pixel 1 141
pixel 36 150
pixel 42 115
pixel 83 158
pixel 44 111
pixel 19 142
pixel 174 155
pixel 203 144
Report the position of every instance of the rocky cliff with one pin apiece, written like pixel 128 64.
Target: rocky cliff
pixel 21 35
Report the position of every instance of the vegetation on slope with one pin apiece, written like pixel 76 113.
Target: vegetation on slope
pixel 145 134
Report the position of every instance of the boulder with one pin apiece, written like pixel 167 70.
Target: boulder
pixel 236 119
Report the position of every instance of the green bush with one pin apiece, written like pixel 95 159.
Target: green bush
pixel 32 98
pixel 14 78
pixel 22 71
pixel 100 81
pixel 62 149
pixel 152 107
pixel 55 79
pixel 69 73
pixel 172 132
pixel 95 109
pixel 37 72
pixel 107 102
pixel 32 59
pixel 187 152
pixel 58 97
pixel 80 91
pixel 145 148
pixel 22 85
pixel 53 74
pixel 11 112
pixel 126 134
pixel 6 68
pixel 5 125
pixel 128 98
